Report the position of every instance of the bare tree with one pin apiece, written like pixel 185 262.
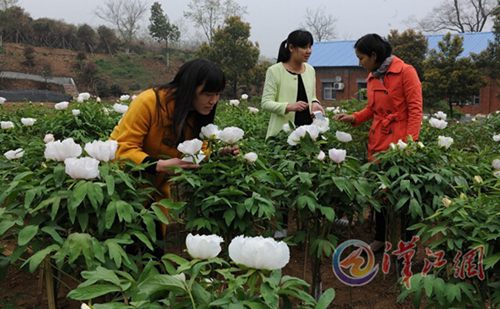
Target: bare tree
pixel 124 15
pixel 210 14
pixel 5 4
pixel 321 24
pixel 459 16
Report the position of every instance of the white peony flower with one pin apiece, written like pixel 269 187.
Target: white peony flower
pixel 48 138
pixel 251 157
pixel 244 96
pixel 28 121
pixel 83 96
pixel 323 125
pixel 82 168
pixel 102 151
pixel 85 306
pixel 297 134
pixel 321 156
pixel 14 154
pixel 75 112
pixel 231 135
pixel 440 115
pixel 6 125
pixel 190 147
pixel 203 246
pixel 343 136
pixel 496 138
pixel 196 159
pixel 496 164
pixel 120 108
pixel 337 155
pixel 286 127
pixel 444 141
pixel 59 151
pixel 253 110
pixel 98 100
pixel 210 131
pixel 2 100
pixel 438 123
pixel 259 252
pixel 61 105
pixel 420 145
pixel 234 102
pixel 124 97
pixel 132 98
pixel 401 145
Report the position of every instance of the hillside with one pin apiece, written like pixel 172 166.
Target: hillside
pixel 126 72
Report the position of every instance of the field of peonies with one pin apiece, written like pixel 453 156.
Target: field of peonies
pixel 66 206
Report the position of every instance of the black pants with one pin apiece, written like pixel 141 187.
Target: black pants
pixel 380 226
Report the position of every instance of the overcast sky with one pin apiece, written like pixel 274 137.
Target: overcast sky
pixel 270 20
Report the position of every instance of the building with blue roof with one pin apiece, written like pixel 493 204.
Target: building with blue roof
pixel 339 76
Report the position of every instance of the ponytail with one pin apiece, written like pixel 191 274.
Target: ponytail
pixel 284 52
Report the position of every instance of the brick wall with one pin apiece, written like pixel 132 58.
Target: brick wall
pixel 489 100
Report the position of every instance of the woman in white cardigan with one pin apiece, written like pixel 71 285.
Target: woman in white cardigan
pixel 290 87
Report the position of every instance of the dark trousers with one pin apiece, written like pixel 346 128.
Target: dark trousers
pixel 380 226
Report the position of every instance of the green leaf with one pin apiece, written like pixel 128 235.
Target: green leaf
pixel 453 292
pixel 6 225
pixel 270 296
pixel 124 210
pixel 328 212
pixel 160 215
pixel 26 234
pixel 144 239
pixel 326 299
pixel 93 291
pixel 229 216
pixel 109 217
pixel 402 201
pixel 51 230
pixel 35 260
pixel 95 195
pixel 110 184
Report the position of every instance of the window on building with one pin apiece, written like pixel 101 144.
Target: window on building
pixel 361 90
pixel 474 100
pixel 329 93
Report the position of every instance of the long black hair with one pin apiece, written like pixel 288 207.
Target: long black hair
pixel 191 75
pixel 374 43
pixel 297 38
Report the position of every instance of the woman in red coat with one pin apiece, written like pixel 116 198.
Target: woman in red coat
pixel 394 103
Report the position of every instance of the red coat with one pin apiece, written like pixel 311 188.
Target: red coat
pixel 395 106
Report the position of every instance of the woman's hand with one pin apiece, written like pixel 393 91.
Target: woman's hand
pixel 316 107
pixel 168 166
pixel 297 106
pixel 344 118
pixel 230 150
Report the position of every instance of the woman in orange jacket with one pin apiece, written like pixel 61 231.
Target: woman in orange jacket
pixel 394 103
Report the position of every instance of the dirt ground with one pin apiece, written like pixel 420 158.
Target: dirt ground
pixel 21 289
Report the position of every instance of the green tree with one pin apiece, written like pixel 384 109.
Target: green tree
pixel 87 37
pixel 161 29
pixel 447 76
pixel 108 41
pixel 411 46
pixel 232 50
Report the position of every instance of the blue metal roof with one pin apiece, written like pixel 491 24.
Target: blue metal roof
pixel 341 53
